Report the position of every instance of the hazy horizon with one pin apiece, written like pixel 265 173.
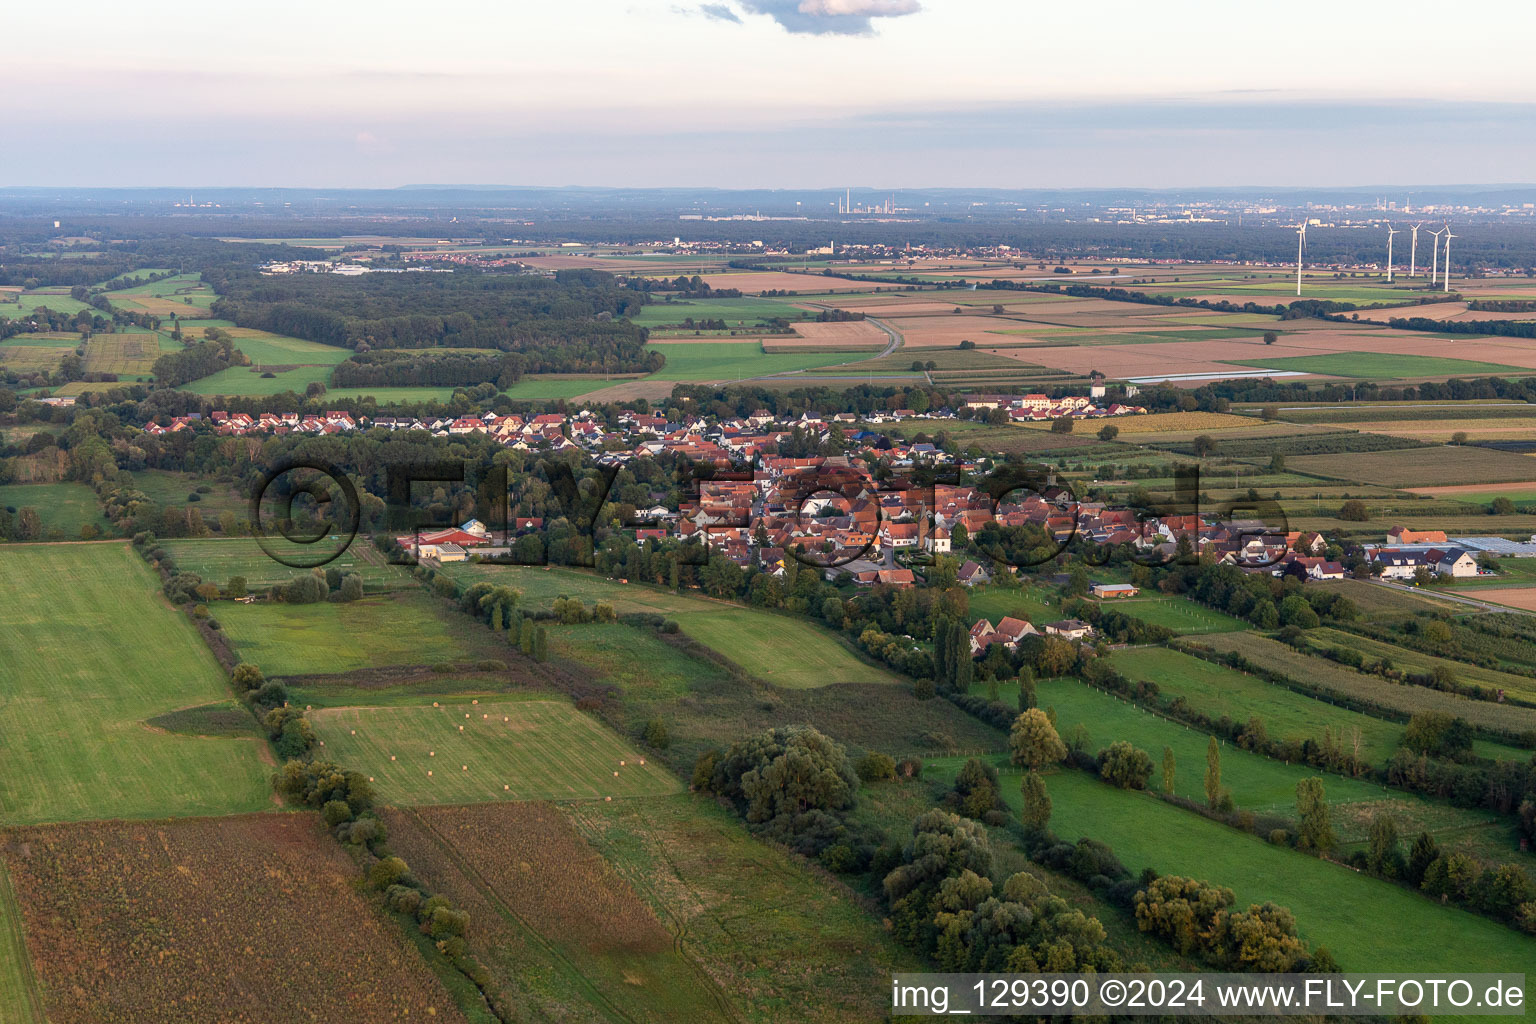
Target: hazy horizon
pixel 758 93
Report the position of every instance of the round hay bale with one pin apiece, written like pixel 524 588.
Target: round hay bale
pixel 391 757
pixel 506 787
pixel 464 767
pixel 434 703
pixel 474 702
pixel 621 764
pixel 431 753
pixel 429 771
pixel 615 774
pixel 608 799
pixel 461 728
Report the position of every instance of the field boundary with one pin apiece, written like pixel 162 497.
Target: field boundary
pixel 31 1009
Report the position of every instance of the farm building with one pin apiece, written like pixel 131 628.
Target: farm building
pixel 1104 590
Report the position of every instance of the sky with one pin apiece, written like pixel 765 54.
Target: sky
pixel 768 93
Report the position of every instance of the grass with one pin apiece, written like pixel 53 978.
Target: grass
pixel 514 750
pixel 22 304
pixel 994 603
pixel 304 639
pixel 91 651
pixel 20 1000
pixel 1218 691
pixel 218 560
pixel 1176 613
pixel 1325 674
pixel 783 650
pixel 248 381
pixel 777 935
pixel 689 361
pixel 65 507
pixel 632 658
pixel 1417 662
pixel 1381 365
pixel 1258 783
pixel 172 488
pixel 266 349
pixel 1334 905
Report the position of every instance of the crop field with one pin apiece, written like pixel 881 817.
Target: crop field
pixel 91 651
pixel 723 361
pixel 36 353
pixel 187 924
pixel 509 750
pixel 568 937
pixel 130 354
pixel 266 349
pixel 780 649
pixel 1320 672
pixel 1377 603
pixel 742 312
pixel 1163 422
pixel 1419 467
pixel 1334 905
pixel 65 507
pixel 20 1000
pixel 1415 661
pixel 402 629
pixel 218 560
pixel 703 875
pixel 1382 366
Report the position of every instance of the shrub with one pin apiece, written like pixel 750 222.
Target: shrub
pixel 1123 765
pixel 876 767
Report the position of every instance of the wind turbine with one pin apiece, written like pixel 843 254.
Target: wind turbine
pixel 1390 232
pixel 1448 237
pixel 1301 243
pixel 1413 252
pixel 1434 271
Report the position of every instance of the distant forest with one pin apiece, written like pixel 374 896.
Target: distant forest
pixel 571 323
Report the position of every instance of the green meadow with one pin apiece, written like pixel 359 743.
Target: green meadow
pixel 91 653
pixel 471 753
pixel 1382 365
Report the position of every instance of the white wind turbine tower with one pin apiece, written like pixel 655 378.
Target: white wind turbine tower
pixel 1390 232
pixel 1413 252
pixel 1434 270
pixel 1447 257
pixel 1301 243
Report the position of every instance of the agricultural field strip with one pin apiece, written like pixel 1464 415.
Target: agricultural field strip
pixel 75 725
pixel 546 751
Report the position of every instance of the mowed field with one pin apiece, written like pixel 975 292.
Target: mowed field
pixel 91 651
pixel 376 632
pixel 467 753
pixel 190 922
pixel 783 650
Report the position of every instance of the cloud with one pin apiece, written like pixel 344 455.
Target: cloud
pixel 719 12
pixel 830 17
